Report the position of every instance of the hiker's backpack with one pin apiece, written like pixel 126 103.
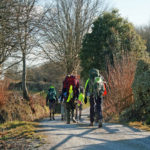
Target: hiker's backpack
pixel 51 96
pixel 93 73
pixel 98 86
pixel 96 83
pixel 71 80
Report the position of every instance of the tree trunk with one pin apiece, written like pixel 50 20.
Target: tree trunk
pixel 24 87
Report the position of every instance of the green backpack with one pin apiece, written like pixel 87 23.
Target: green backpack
pixel 51 94
pixel 98 86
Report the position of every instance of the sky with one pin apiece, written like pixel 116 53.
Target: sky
pixel 136 11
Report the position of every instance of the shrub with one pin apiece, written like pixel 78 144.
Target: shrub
pixel 140 110
pixel 148 120
pixel 119 81
pixel 3 91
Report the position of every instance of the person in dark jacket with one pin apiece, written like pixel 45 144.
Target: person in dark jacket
pixel 94 88
pixel 51 101
pixel 71 88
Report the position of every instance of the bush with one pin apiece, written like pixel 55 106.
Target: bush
pixel 148 120
pixel 17 108
pixel 119 81
pixel 141 90
pixel 3 91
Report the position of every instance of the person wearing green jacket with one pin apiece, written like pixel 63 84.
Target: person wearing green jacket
pixel 94 88
pixel 79 104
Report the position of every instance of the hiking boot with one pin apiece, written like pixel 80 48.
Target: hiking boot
pixel 91 124
pixel 50 118
pixel 100 124
pixel 68 122
pixel 53 118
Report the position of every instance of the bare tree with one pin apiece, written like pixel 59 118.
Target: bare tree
pixel 63 28
pixel 8 42
pixel 26 19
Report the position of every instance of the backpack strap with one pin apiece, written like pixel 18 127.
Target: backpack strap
pixel 70 96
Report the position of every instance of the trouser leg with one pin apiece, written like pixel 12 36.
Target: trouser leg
pixel 53 110
pixel 53 114
pixel 50 115
pixel 80 111
pixel 72 114
pixel 65 111
pixel 62 112
pixel 68 113
pixel 76 116
pixel 91 109
pixel 98 108
pixel 80 114
pixel 73 106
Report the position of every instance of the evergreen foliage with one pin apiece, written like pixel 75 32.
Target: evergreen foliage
pixel 111 36
pixel 140 110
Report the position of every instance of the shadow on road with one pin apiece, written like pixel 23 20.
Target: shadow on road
pixel 71 136
pixel 133 142
pixel 129 144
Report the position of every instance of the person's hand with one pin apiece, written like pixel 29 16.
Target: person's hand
pixel 85 100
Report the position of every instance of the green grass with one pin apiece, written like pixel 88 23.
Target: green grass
pixel 20 133
pixel 18 129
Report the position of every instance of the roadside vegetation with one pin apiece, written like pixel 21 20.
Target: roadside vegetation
pixel 69 36
pixel 121 55
pixel 16 132
pixel 140 125
pixel 20 135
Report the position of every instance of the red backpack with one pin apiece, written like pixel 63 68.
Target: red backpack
pixel 71 80
pixel 105 91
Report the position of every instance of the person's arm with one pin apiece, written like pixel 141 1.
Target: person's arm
pixel 87 87
pixel 62 94
pixel 86 90
pixel 77 90
pixel 56 99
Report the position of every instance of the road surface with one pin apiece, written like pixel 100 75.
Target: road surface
pixel 62 136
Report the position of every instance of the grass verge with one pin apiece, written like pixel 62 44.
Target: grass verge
pixel 136 124
pixel 20 135
pixel 140 125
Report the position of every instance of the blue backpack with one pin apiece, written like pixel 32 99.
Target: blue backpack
pixel 51 96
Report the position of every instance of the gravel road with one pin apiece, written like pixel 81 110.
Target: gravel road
pixel 61 136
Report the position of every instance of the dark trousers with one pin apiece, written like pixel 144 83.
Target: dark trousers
pixel 52 109
pixel 70 106
pixel 95 108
